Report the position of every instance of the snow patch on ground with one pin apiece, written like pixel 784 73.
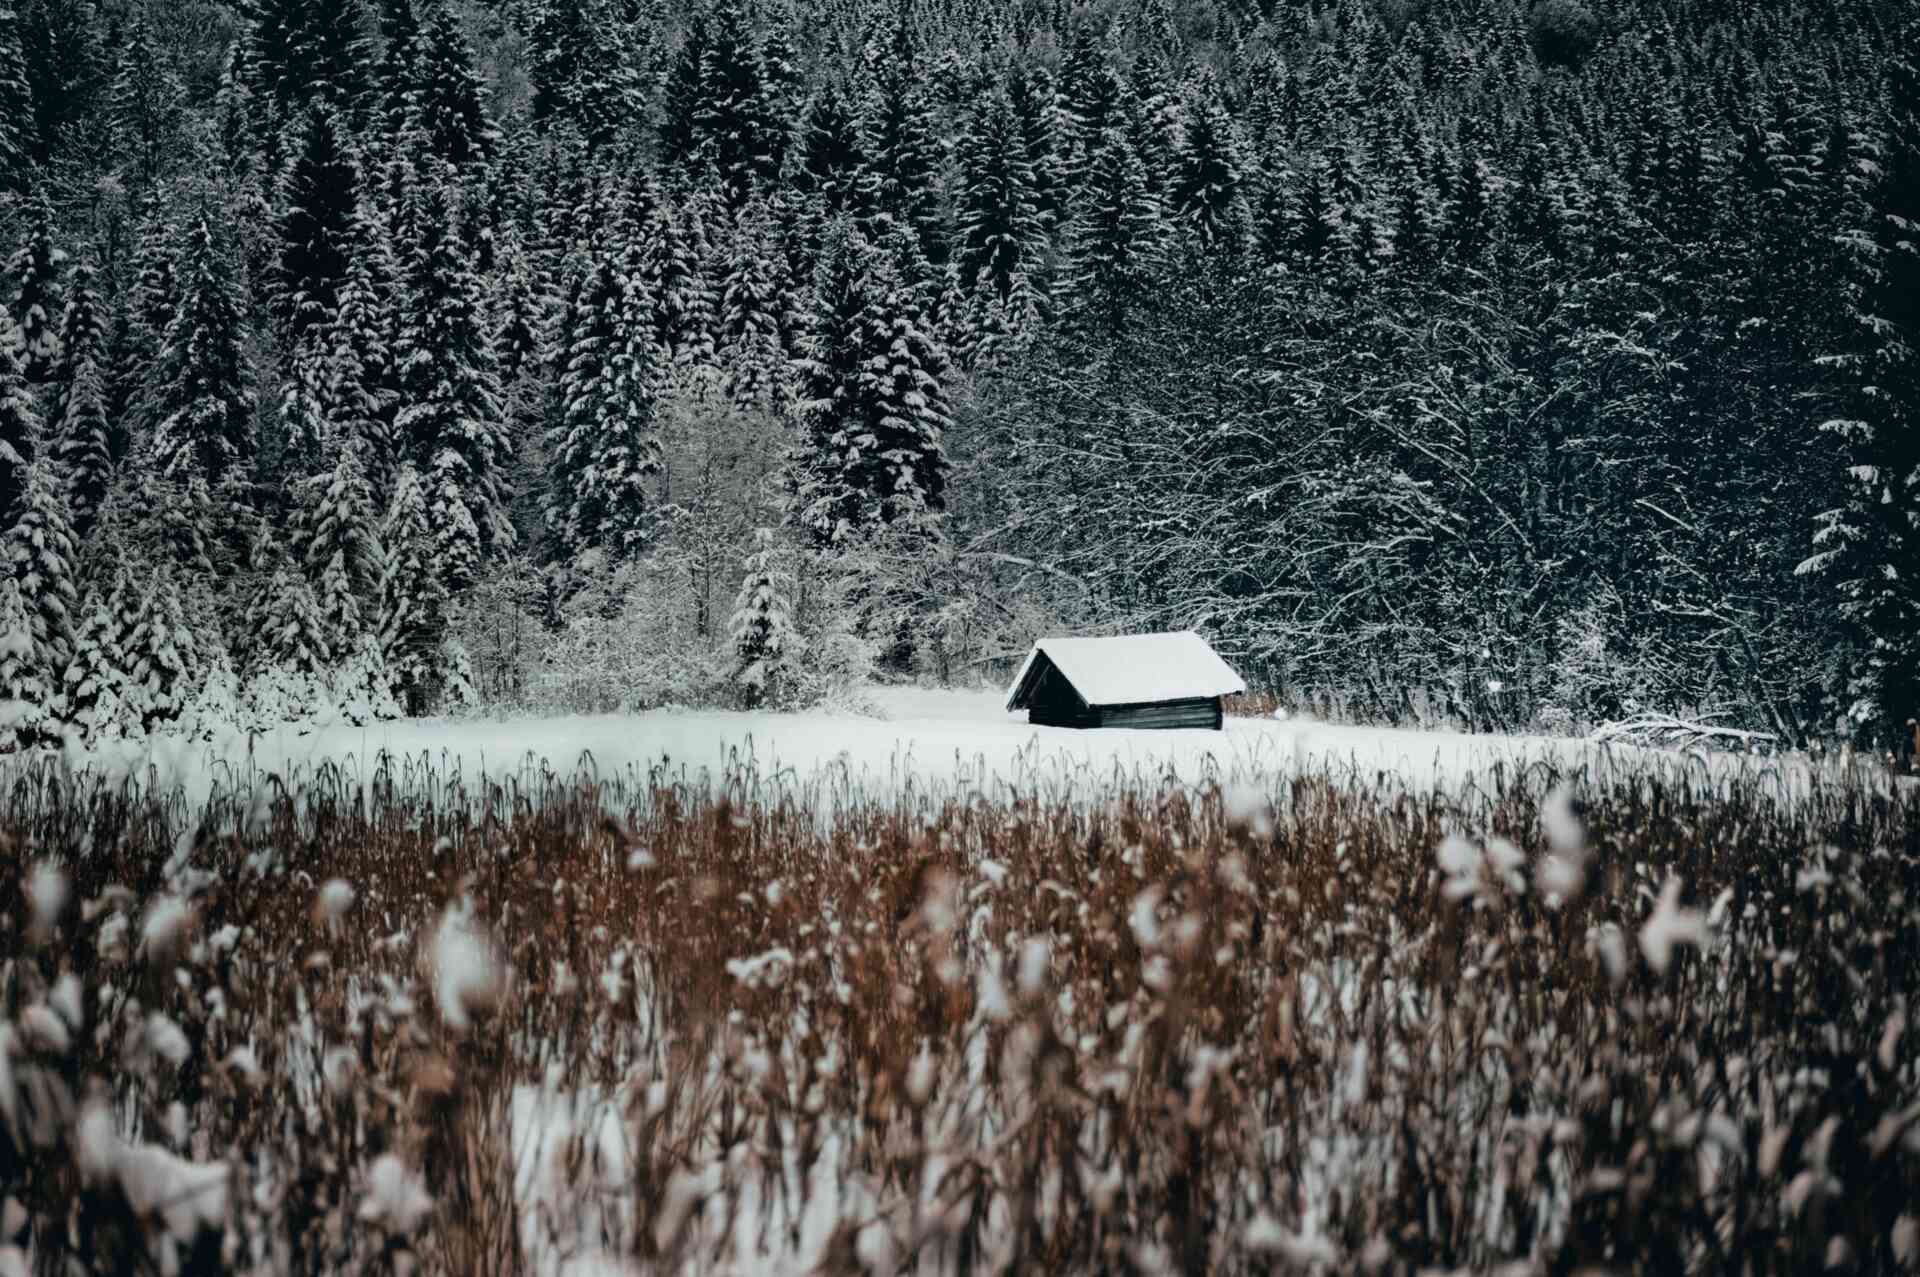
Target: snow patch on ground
pixel 928 737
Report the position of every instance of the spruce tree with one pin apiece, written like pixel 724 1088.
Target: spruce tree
pixel 738 130
pixel 306 52
pixel 604 447
pixel 682 96
pixel 200 403
pixel 901 158
pixel 1207 182
pixel 66 72
pixel 831 148
pixel 412 627
pixel 95 684
pixel 451 424
pixel 579 70
pixel 754 312
pixel 82 444
pixel 1116 241
pixel 16 109
pixel 33 276
pixel 160 650
pixel 873 408
pixel 1869 546
pixel 359 349
pixel 387 104
pixel 145 107
pixel 40 551
pixel 320 201
pixel 764 640
pixel 20 424
pixel 83 336
pixel 446 100
pixel 29 710
pixel 1000 232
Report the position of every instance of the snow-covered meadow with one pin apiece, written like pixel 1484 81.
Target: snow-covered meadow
pixel 931 740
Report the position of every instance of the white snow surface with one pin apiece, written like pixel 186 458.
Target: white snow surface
pixel 924 740
pixel 1132 669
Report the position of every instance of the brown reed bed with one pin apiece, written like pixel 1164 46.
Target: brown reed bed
pixel 412 1023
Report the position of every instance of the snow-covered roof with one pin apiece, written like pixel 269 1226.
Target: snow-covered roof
pixel 1131 669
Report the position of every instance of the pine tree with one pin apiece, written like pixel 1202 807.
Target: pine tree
pixel 1116 241
pixel 82 445
pixel 682 96
pixel 387 105
pixel 307 52
pixel 764 640
pixel 320 202
pixel 359 349
pixel 1000 233
pixel 145 107
pixel 831 148
pixel 604 445
pixel 95 685
pixel 412 627
pixel 873 408
pixel 446 100
pixel 160 651
pixel 28 708
pixel 302 417
pixel 200 403
pixel 19 418
pixel 1870 545
pixel 66 73
pixel 580 72
pixel 40 551
pixel 34 273
pixel 1207 182
pixel 737 128
pixel 754 312
pixel 16 109
pixel 672 272
pixel 901 157
pixel 451 423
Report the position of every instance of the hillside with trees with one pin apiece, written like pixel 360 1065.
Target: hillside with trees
pixel 1519 364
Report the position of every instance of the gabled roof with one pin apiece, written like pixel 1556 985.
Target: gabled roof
pixel 1131 669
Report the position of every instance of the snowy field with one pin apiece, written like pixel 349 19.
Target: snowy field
pixel 930 739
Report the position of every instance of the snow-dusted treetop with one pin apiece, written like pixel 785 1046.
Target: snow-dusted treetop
pixel 1130 669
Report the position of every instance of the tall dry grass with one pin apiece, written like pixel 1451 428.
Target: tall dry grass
pixel 410 1024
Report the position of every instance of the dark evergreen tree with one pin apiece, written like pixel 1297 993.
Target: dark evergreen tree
pixel 20 425
pixel 604 446
pixel 17 133
pixel 66 71
pixel 146 106
pixel 755 313
pixel 874 411
pixel 737 126
pixel 320 202
pixel 1116 241
pixel 360 352
pixel 445 97
pixel 1869 546
pixel 1000 233
pixel 40 554
pixel 1207 183
pixel 831 156
pixel 451 424
pixel 580 71
pixel 683 96
pixel 388 104
pixel 29 709
pixel 412 626
pixel 305 52
pixel 199 401
pixel 34 276
pixel 902 161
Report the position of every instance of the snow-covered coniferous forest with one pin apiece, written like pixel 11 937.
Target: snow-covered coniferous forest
pixel 1512 365
pixel 429 427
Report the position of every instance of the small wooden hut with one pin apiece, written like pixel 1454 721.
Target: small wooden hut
pixel 1134 680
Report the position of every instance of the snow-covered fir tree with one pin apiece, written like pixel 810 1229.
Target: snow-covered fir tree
pixel 451 422
pixel 200 402
pixel 412 626
pixel 96 684
pixel 765 643
pixel 320 200
pixel 1000 231
pixel 873 407
pixel 34 284
pixel 29 710
pixel 40 552
pixel 16 109
pixel 604 446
